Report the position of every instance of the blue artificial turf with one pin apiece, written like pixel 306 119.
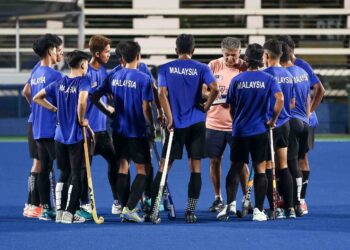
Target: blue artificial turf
pixel 326 227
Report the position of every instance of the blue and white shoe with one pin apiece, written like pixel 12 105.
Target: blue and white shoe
pixel 48 215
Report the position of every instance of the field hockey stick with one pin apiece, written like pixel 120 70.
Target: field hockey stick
pixel 166 195
pixel 247 196
pixel 154 215
pixel 274 188
pixel 171 213
pixel 53 186
pixel 98 220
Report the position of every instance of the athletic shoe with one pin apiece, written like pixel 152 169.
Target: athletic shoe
pixel 59 214
pixel 259 215
pixel 116 208
pixel 227 211
pixel 280 213
pixel 83 213
pixel 290 213
pixel 299 211
pixel 26 210
pixel 34 212
pixel 48 214
pixel 303 205
pixel 190 217
pixel 131 215
pixel 67 218
pixel 87 207
pixel 78 219
pixel 217 205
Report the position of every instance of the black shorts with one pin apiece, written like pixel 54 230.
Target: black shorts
pixel 70 156
pixel 281 136
pixel 216 141
pixel 311 138
pixel 46 149
pixel 298 139
pixel 104 146
pixel 193 137
pixel 135 149
pixel 257 145
pixel 33 150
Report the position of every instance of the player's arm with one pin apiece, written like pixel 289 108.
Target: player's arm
pixel 213 93
pixel 164 102
pixel 276 109
pixel 26 93
pixel 96 100
pixel 40 99
pixel 160 112
pixel 308 106
pixel 147 112
pixel 318 91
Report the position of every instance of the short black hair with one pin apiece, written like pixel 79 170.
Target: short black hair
pixel 75 57
pixel 274 48
pixel 285 52
pixel 288 40
pixel 129 50
pixel 185 44
pixel 43 43
pixel 58 40
pixel 117 51
pixel 253 56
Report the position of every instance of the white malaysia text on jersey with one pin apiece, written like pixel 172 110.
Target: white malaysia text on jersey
pixel 183 71
pixel 124 83
pixel 251 85
pixel 37 81
pixel 69 90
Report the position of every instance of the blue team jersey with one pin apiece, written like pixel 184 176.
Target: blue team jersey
pixel 313 81
pixel 97 119
pixel 285 80
pixel 129 88
pixel 302 91
pixel 37 65
pixel 44 121
pixel 249 96
pixel 66 92
pixel 184 79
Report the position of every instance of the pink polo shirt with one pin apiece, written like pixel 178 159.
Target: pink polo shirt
pixel 218 117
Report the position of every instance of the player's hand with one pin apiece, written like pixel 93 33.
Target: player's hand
pixel 54 109
pixel 151 132
pixel 170 125
pixel 91 133
pixel 84 123
pixel 111 111
pixel 225 105
pixel 271 123
pixel 161 118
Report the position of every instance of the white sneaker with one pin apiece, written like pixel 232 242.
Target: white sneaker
pixel 116 208
pixel 67 218
pixel 227 211
pixel 87 207
pixel 259 215
pixel 59 215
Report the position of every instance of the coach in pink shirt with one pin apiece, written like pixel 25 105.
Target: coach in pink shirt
pixel 219 122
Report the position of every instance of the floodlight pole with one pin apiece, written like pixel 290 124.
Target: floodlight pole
pixel 17 45
pixel 81 25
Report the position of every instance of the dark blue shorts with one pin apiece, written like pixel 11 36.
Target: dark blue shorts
pixel 216 141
